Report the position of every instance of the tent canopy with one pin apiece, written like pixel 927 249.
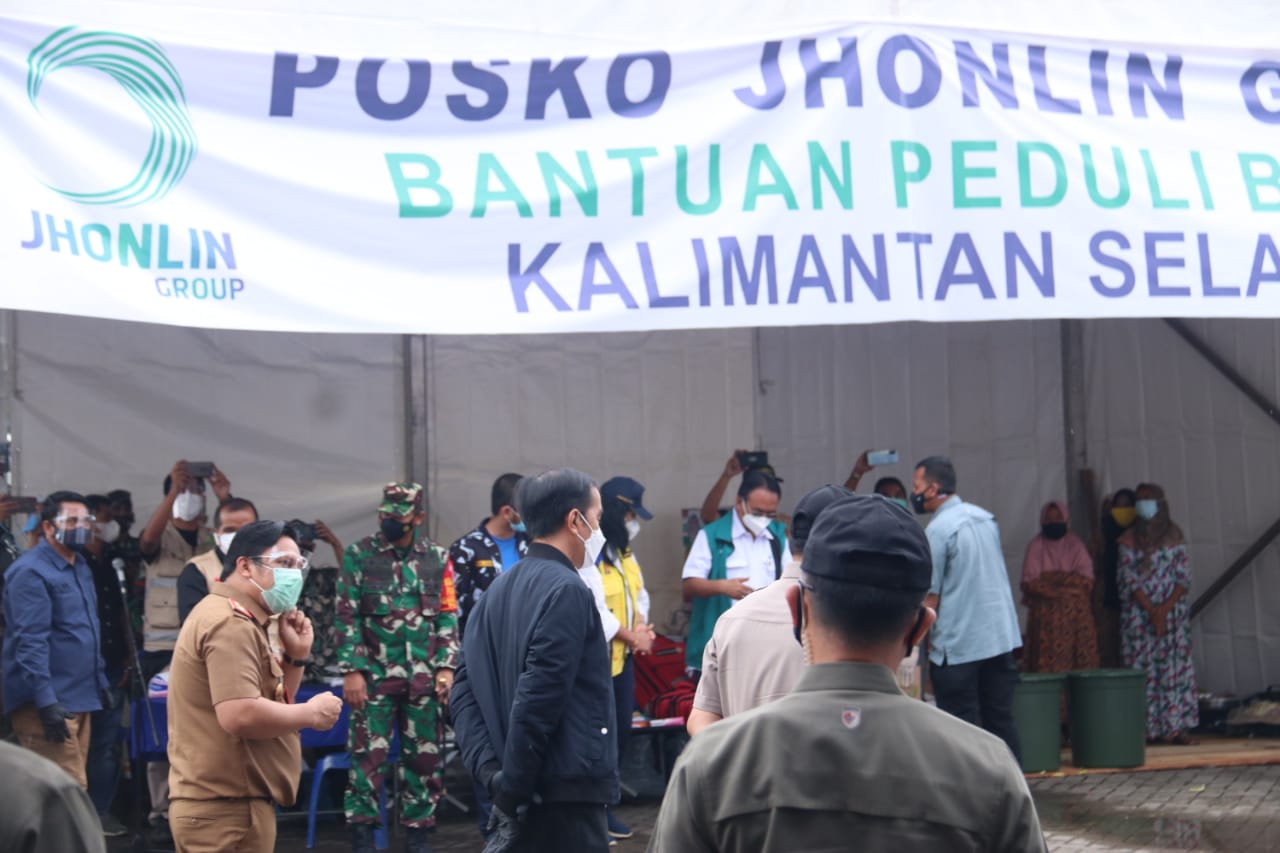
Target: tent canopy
pixel 736 207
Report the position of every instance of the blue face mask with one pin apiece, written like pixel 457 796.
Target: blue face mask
pixel 283 596
pixel 1147 509
pixel 519 527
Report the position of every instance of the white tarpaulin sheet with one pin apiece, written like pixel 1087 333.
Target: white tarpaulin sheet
pixel 502 174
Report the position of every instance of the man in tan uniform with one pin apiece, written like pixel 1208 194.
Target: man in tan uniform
pixel 234 750
pixel 847 756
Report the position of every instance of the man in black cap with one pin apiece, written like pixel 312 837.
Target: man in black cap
pixel 751 658
pixel 847 755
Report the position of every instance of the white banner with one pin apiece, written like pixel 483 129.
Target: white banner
pixel 862 174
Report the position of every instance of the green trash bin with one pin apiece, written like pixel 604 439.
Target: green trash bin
pixel 1037 711
pixel 1107 709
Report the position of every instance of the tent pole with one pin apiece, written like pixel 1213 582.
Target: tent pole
pixel 1220 364
pixel 759 387
pixel 9 387
pixel 414 356
pixel 1073 415
pixel 1241 563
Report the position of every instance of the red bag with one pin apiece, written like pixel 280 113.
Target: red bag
pixel 676 702
pixel 657 672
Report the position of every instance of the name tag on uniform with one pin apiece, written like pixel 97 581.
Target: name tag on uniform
pixel 484 564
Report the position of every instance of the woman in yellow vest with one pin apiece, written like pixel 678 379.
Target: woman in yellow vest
pixel 627 602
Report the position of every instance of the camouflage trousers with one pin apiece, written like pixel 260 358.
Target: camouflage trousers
pixel 420 766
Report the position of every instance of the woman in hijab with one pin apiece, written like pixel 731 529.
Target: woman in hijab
pixel 1057 579
pixel 1155 621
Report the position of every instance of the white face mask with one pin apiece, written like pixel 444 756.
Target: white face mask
pixel 188 506
pixel 633 529
pixel 593 543
pixel 757 524
pixel 224 541
pixel 1147 509
pixel 109 531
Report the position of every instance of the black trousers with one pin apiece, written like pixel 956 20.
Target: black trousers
pixel 577 827
pixel 624 701
pixel 980 692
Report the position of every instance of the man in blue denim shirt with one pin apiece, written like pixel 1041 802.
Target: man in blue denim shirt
pixel 52 661
pixel 971 645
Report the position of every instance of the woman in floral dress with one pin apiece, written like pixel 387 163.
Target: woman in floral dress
pixel 1057 577
pixel 1155 626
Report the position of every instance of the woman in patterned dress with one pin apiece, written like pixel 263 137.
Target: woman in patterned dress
pixel 1057 578
pixel 1155 626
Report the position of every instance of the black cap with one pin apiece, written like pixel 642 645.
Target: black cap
pixel 871 541
pixel 628 491
pixel 808 510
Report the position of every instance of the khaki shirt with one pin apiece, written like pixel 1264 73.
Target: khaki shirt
pixel 210 564
pixel 846 757
pixel 752 656
pixel 223 654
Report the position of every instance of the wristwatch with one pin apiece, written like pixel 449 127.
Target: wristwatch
pixel 294 661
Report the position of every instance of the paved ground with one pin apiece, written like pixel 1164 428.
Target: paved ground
pixel 1234 808
pixel 1231 809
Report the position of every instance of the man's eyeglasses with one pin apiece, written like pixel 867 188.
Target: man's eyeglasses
pixel 286 561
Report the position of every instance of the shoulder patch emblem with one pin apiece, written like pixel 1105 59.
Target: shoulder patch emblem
pixel 240 610
pixel 851 717
pixel 448 593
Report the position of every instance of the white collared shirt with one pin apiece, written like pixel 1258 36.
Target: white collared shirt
pixel 591 577
pixel 752 557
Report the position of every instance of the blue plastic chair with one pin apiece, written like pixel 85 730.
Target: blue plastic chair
pixel 342 761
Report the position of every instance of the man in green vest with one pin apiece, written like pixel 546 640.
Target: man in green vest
pixel 742 551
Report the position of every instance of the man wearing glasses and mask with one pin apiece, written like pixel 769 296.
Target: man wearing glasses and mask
pixel 397 633
pixel 846 755
pixel 234 750
pixel 53 671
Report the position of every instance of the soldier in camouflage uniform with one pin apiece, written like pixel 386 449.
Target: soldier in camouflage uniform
pixel 397 629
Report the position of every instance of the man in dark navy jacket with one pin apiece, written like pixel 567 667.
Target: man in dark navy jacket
pixel 532 701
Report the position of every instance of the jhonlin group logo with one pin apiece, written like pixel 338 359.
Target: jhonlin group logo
pixel 175 260
pixel 143 70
